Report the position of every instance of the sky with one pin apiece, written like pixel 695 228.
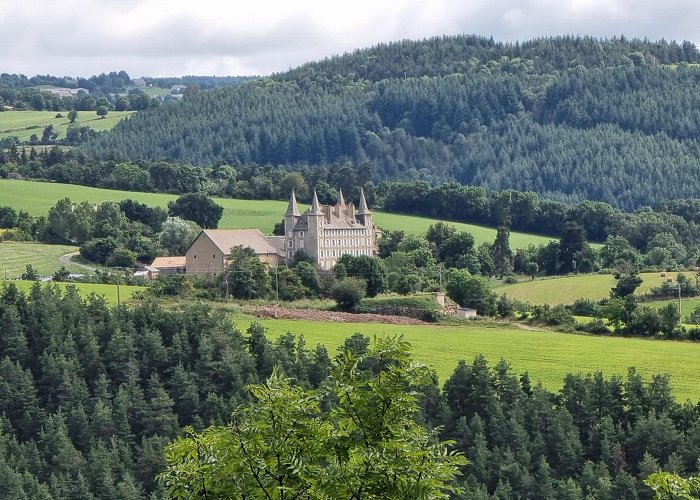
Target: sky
pixel 242 37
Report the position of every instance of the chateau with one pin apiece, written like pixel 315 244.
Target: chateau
pixel 326 232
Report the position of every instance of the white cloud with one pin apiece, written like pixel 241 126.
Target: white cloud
pixel 175 37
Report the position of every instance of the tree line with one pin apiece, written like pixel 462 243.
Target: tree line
pixel 570 118
pixel 91 395
pixel 525 210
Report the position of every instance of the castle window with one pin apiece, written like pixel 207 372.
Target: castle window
pixel 301 234
pixel 291 243
pixel 291 254
pixel 369 242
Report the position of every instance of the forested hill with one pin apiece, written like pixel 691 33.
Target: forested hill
pixel 570 118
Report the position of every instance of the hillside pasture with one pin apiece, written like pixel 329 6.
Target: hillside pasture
pixel 155 91
pixel 37 197
pixel 566 289
pixel 22 124
pixel 14 257
pixel 109 292
pixel 547 356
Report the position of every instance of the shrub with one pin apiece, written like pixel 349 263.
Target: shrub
pixel 694 317
pixel 349 292
pixel 421 307
pixel 122 257
pixel 596 326
pixel 406 283
pixel 584 307
pixel 555 316
pixel 471 291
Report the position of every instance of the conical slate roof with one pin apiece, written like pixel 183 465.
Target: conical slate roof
pixel 341 200
pixel 315 206
pixel 363 204
pixel 292 208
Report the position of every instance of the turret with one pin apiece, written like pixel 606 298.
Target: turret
pixel 364 215
pixel 340 205
pixel 315 206
pixel 314 218
pixel 291 216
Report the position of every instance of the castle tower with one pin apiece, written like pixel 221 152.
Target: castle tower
pixel 291 216
pixel 315 219
pixel 340 205
pixel 364 215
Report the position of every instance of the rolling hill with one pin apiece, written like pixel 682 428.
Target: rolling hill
pixel 24 124
pixel 571 118
pixel 37 197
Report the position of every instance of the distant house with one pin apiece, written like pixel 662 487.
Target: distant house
pixel 166 266
pixel 178 89
pixel 209 251
pixel 139 83
pixel 64 92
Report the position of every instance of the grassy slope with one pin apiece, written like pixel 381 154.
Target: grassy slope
pixel 155 91
pixel 567 289
pixel 85 289
pixel 37 197
pixel 16 123
pixel 547 356
pixel 14 258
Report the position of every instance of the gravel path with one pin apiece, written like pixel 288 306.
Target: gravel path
pixel 66 259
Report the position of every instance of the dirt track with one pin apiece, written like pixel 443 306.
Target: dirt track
pixel 276 312
pixel 66 259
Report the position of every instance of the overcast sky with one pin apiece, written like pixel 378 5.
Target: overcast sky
pixel 241 37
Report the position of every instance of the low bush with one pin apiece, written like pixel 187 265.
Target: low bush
pixel 421 307
pixel 349 292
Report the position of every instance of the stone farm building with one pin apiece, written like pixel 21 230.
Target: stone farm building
pixel 208 252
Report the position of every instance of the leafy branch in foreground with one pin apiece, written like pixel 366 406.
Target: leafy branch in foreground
pixel 353 438
pixel 671 486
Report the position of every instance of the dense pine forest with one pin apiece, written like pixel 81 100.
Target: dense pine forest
pixel 570 118
pixel 91 395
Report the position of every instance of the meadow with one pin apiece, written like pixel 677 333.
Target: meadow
pixel 37 197
pixel 566 289
pixel 109 292
pixel 687 304
pixel 23 124
pixel 547 356
pixel 14 257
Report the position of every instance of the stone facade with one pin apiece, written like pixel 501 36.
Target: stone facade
pixel 209 251
pixel 326 232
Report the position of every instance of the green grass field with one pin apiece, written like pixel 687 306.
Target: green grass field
pixel 155 91
pixel 567 289
pixel 37 197
pixel 14 258
pixel 85 289
pixel 23 124
pixel 687 304
pixel 547 356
